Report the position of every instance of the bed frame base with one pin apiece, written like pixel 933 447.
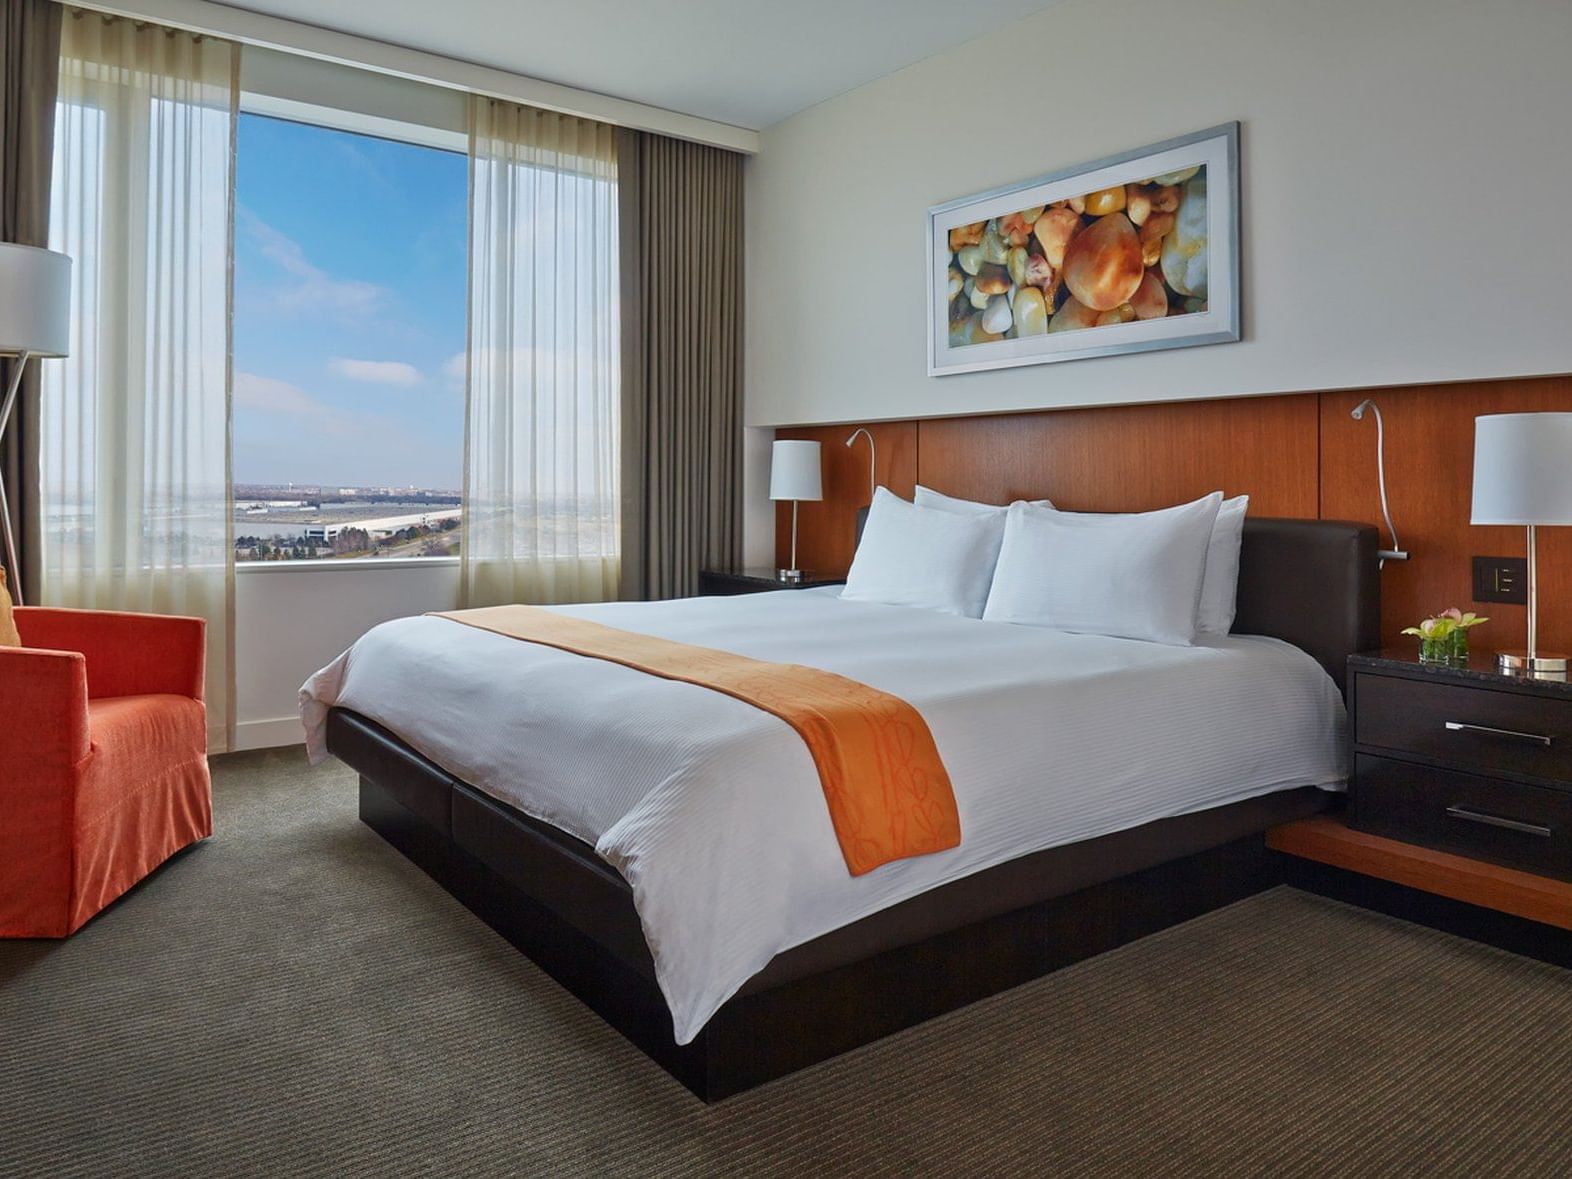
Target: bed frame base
pixel 763 1035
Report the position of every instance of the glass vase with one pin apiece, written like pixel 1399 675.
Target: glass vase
pixel 1460 648
pixel 1436 650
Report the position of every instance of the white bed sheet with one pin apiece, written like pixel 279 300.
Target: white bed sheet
pixel 712 809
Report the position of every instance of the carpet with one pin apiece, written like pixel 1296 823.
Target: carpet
pixel 292 997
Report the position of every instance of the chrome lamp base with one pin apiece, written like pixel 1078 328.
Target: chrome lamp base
pixel 789 576
pixel 1540 663
pixel 1533 662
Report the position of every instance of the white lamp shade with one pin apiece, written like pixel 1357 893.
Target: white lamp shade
pixel 794 471
pixel 35 301
pixel 1523 468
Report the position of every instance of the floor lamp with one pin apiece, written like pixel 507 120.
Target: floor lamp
pixel 35 320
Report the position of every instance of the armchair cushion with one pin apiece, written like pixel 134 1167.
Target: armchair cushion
pixel 138 738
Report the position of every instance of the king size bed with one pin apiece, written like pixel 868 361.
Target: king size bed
pixel 664 850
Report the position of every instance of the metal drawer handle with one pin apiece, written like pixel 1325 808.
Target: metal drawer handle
pixel 1473 816
pixel 1533 738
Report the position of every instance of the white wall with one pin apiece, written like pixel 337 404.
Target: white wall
pixel 1404 168
pixel 290 619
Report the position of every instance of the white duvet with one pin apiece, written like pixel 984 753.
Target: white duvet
pixel 712 809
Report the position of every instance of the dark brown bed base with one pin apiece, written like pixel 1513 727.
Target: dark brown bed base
pixel 1313 583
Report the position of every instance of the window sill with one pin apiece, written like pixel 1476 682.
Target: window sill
pixel 247 568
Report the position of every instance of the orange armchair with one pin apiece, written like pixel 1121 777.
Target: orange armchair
pixel 103 760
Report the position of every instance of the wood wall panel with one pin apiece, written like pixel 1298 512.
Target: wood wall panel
pixel 1429 476
pixel 1296 455
pixel 827 531
pixel 1131 458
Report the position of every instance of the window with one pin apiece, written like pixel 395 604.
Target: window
pixel 349 338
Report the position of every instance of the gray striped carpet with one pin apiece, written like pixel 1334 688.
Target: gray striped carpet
pixel 293 998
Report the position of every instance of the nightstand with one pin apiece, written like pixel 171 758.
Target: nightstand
pixel 725 582
pixel 1462 760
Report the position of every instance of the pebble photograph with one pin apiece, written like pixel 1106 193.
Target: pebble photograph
pixel 1135 251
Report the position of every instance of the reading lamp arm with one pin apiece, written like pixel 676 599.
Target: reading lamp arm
pixel 873 479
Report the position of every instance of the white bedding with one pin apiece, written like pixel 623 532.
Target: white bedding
pixel 712 810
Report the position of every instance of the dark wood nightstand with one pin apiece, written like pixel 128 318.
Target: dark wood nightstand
pixel 725 582
pixel 1460 805
pixel 1462 760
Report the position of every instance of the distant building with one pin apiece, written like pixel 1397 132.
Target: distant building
pixel 384 526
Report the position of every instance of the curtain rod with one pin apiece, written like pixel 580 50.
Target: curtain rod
pixel 288 36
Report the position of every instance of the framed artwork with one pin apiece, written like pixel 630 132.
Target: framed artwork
pixel 1135 252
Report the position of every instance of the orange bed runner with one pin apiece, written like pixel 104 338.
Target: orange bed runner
pixel 888 793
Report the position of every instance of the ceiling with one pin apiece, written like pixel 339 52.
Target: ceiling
pixel 749 63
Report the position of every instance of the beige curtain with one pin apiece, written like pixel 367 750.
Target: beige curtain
pixel 681 362
pixel 29 69
pixel 541 511
pixel 135 437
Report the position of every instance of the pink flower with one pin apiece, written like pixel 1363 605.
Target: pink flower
pixel 1454 614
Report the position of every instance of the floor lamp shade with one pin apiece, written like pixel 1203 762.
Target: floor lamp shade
pixel 795 474
pixel 795 471
pixel 35 320
pixel 35 301
pixel 1523 475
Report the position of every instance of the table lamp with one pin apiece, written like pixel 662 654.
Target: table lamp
pixel 794 475
pixel 1523 475
pixel 35 320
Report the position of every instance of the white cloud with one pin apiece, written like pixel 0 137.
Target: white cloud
pixel 456 367
pixel 380 372
pixel 271 395
pixel 311 288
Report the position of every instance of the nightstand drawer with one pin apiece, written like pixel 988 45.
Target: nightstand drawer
pixel 1527 827
pixel 1471 728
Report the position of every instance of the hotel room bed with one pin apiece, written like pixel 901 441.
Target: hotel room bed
pixel 664 850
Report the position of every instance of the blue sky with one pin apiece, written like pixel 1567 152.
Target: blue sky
pixel 349 308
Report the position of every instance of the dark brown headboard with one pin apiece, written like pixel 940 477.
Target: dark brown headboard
pixel 1313 583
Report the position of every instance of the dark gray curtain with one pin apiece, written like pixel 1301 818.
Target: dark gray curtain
pixel 680 220
pixel 29 75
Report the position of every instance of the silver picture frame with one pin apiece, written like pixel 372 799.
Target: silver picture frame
pixel 1216 149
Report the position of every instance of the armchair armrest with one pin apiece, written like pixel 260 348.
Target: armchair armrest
pixel 43 700
pixel 127 654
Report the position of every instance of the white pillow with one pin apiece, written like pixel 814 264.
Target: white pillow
pixel 911 556
pixel 927 497
pixel 1220 588
pixel 1133 576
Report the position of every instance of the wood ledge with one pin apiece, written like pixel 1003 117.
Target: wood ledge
pixel 1328 840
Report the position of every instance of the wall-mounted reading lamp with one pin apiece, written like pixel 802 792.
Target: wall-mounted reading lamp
pixel 1395 553
pixel 873 479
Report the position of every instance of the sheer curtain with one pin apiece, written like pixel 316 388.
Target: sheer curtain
pixel 135 424
pixel 541 508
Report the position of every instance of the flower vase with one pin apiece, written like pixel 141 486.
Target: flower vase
pixel 1460 648
pixel 1436 650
